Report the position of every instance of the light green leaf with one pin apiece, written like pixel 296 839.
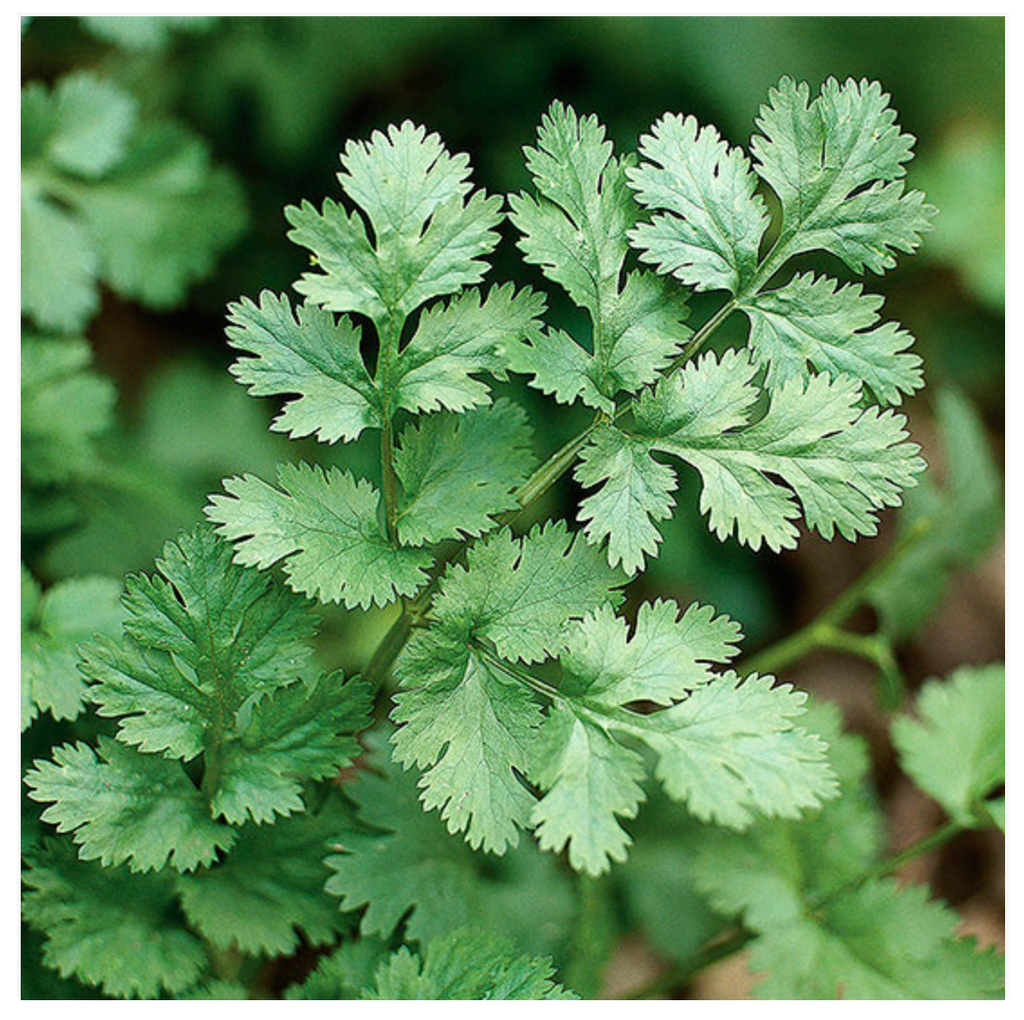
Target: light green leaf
pixel 519 594
pixel 147 35
pixel 709 230
pixel 458 472
pixel 314 355
pixel 466 965
pixel 324 525
pixel 956 749
pixel 576 231
pixel 428 239
pixel 124 806
pixel 836 162
pixel 127 944
pixel 813 322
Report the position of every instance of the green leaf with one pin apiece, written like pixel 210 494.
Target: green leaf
pixel 813 322
pixel 459 472
pixel 127 943
pixel 215 990
pixel 312 354
pixel 814 450
pixel 344 974
pixel 147 34
pixel 123 806
pixel 710 228
pixel 65 407
pixel 428 239
pixel 727 748
pixel 456 340
pixel 836 162
pixel 324 524
pixel 210 665
pixel 52 627
pixel 956 749
pixel 400 862
pixel 269 887
pixel 467 965
pixel 633 491
pixel 518 594
pixel 961 520
pixel 576 231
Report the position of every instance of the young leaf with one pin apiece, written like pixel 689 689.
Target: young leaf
pixel 428 239
pixel 211 664
pixel 956 749
pixel 466 965
pixel 52 625
pixel 836 162
pixel 576 231
pixel 459 472
pixel 325 526
pixel 123 806
pixel 269 887
pixel 813 322
pixel 345 973
pixel 710 231
pixel 127 944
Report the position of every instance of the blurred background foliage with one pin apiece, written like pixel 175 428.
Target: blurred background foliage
pixel 271 102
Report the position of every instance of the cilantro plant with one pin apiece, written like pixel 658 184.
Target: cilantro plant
pixel 456 820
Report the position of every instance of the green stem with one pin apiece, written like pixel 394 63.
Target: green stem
pixel 389 481
pixel 697 341
pixel 816 633
pixel 683 973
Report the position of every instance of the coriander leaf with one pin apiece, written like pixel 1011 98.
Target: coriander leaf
pixel 210 664
pixel 454 342
pixel 633 492
pixel 126 944
pixel 956 749
pixel 324 525
pixel 400 862
pixel 466 965
pixel 52 626
pixel 726 748
pixel 428 239
pixel 962 519
pixel 838 463
pixel 469 727
pixel 146 34
pixel 813 322
pixel 458 472
pixel 313 355
pixel 576 231
pixel 712 221
pixel 215 990
pixel 268 887
pixel 65 407
pixel 519 594
pixel 836 162
pixel 124 806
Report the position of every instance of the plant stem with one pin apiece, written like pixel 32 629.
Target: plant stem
pixel 683 973
pixel 697 341
pixel 389 481
pixel 825 625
